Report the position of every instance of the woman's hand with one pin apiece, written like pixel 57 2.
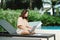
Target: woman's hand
pixel 29 27
pixel 32 32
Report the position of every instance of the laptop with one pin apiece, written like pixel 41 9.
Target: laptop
pixel 35 27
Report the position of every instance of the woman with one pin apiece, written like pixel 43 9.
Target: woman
pixel 22 24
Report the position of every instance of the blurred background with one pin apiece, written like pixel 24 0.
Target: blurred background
pixel 47 11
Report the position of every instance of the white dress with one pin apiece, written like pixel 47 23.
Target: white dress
pixel 23 22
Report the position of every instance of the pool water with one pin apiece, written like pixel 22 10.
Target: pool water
pixel 50 27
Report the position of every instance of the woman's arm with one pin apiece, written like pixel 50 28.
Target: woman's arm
pixel 29 27
pixel 22 27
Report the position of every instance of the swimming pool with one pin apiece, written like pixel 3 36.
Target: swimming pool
pixel 51 27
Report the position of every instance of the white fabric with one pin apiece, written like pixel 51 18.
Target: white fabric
pixel 18 31
pixel 22 22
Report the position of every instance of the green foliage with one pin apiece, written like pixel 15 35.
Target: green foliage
pixel 10 15
pixel 46 19
pixel 34 16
